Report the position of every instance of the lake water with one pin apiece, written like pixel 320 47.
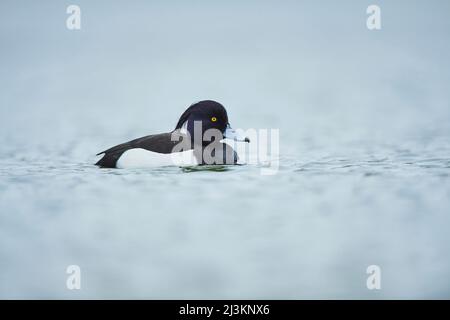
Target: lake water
pixel 364 151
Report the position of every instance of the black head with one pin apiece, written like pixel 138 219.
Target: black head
pixel 212 115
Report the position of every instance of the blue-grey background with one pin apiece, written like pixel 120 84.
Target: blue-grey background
pixel 365 151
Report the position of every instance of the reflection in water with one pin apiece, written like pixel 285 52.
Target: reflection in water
pixel 218 168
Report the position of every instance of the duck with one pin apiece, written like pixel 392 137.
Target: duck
pixel 197 139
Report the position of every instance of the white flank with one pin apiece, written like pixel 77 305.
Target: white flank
pixel 141 158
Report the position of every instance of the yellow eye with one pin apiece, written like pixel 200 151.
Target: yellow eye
pixel 213 119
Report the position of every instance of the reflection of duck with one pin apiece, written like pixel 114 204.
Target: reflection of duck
pixel 181 146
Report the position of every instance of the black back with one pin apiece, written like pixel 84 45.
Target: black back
pixel 160 143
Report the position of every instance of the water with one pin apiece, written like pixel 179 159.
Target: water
pixel 364 151
pixel 308 231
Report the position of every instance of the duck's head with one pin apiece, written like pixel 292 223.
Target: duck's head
pixel 211 115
